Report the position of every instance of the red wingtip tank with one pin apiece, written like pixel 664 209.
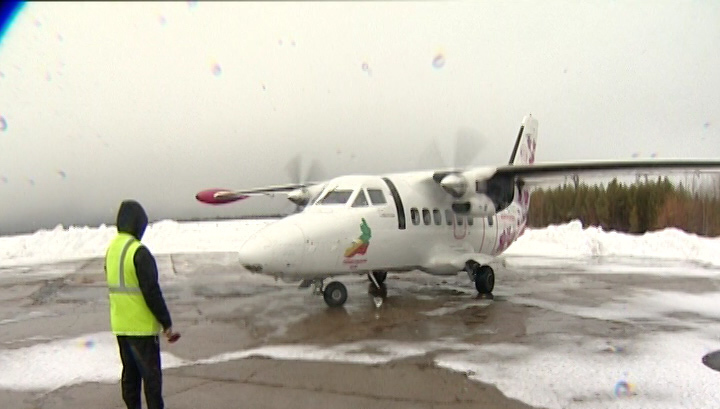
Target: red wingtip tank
pixel 208 196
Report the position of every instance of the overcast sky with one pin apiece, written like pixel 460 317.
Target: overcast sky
pixel 156 101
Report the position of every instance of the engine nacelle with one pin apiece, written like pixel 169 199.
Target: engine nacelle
pixel 305 195
pixel 299 196
pixel 480 205
pixel 490 196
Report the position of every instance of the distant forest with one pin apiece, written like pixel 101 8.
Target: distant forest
pixel 639 207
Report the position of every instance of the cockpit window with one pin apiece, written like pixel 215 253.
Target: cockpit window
pixel 338 196
pixel 376 196
pixel 360 200
pixel 317 196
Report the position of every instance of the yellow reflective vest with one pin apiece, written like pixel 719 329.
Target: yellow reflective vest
pixel 129 314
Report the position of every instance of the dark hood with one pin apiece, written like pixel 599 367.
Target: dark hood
pixel 132 219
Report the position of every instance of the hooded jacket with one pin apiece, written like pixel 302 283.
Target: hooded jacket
pixel 133 220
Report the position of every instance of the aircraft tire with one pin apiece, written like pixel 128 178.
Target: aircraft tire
pixel 380 276
pixel 484 279
pixel 335 294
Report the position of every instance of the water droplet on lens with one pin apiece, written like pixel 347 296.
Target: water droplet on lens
pixel 439 61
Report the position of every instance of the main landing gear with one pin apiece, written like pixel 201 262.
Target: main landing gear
pixel 483 276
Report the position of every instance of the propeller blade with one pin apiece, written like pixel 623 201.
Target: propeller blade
pixel 293 169
pixel 468 143
pixel 431 157
pixel 315 173
pixel 218 196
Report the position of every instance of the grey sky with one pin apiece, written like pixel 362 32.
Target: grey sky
pixel 125 100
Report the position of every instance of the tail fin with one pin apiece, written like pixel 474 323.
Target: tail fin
pixel 524 151
pixel 524 154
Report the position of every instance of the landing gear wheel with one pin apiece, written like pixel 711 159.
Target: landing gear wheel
pixel 484 279
pixel 335 294
pixel 380 276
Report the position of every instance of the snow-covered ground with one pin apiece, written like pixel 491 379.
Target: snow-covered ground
pixel 567 241
pixel 661 369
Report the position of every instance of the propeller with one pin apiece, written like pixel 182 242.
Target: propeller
pixel 294 170
pixel 314 173
pixel 468 143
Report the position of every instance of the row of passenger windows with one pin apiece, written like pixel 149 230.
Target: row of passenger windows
pixel 436 217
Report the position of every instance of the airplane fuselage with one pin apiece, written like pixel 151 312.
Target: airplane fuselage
pixel 396 222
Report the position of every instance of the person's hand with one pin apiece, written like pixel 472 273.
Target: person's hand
pixel 170 335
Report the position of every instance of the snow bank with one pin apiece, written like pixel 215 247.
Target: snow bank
pixel 571 240
pixel 163 237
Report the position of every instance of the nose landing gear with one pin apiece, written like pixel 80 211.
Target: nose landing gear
pixel 335 294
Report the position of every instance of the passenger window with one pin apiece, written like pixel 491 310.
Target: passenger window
pixel 437 216
pixel 415 216
pixel 360 200
pixel 376 196
pixel 470 221
pixel 490 220
pixel 449 217
pixel 426 217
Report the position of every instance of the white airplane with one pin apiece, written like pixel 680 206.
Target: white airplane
pixel 441 222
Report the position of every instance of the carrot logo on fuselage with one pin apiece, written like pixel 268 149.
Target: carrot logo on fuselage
pixel 360 245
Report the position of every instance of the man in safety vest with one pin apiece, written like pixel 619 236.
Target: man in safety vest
pixel 137 308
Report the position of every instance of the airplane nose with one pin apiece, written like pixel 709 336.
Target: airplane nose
pixel 256 253
pixel 276 249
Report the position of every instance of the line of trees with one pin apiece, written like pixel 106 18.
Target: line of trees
pixel 639 207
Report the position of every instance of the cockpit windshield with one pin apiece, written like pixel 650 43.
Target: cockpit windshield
pixel 336 196
pixel 361 191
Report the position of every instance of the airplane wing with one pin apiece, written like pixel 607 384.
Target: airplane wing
pixel 221 196
pixel 552 171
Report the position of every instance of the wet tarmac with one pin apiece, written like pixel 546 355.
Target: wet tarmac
pixel 221 309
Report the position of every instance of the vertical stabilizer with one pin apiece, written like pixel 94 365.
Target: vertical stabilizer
pixel 524 151
pixel 524 154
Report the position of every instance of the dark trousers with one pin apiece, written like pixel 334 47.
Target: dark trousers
pixel 141 365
